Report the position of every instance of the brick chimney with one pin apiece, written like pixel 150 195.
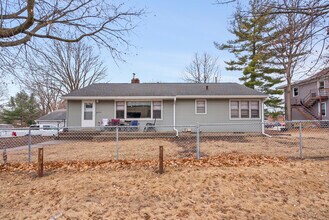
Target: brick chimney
pixel 134 80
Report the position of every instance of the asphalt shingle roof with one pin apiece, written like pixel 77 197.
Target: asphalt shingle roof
pixel 58 115
pixel 163 89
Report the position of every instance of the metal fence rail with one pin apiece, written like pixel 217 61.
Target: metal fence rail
pixel 294 139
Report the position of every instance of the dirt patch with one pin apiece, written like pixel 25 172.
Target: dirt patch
pixel 242 188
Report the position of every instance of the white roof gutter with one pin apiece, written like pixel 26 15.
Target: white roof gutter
pixel 164 97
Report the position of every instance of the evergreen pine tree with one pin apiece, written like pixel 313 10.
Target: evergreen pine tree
pixel 23 108
pixel 251 49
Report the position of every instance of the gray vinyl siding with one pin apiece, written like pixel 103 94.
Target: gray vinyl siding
pixel 168 113
pixel 73 115
pixel 104 109
pixel 217 112
pixel 296 115
pixel 304 91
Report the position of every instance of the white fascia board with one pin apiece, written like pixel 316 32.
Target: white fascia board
pixel 165 97
pixel 117 97
pixel 221 96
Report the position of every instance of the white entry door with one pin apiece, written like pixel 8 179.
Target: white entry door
pixel 88 114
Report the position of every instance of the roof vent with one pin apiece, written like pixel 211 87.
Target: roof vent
pixel 207 88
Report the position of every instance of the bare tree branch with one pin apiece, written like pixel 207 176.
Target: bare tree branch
pixel 203 69
pixel 60 69
pixel 30 24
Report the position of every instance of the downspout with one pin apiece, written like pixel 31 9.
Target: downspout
pixel 263 122
pixel 174 118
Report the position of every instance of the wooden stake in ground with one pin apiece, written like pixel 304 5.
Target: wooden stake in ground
pixel 161 170
pixel 40 162
pixel 4 156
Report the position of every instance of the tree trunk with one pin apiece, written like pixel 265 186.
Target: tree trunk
pixel 288 92
pixel 288 103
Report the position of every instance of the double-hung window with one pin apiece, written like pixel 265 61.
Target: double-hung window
pixel 200 107
pixel 156 109
pixel 244 109
pixel 235 109
pixel 120 109
pixel 254 106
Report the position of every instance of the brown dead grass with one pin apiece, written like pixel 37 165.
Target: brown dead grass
pixel 315 145
pixel 230 186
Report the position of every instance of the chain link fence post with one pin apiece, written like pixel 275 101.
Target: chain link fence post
pixel 29 145
pixel 300 141
pixel 198 141
pixel 117 143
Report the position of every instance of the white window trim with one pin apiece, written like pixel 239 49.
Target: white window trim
pixel 83 121
pixel 92 110
pixel 205 106
pixel 293 92
pixel 115 109
pixel 138 119
pixel 249 100
pixel 325 109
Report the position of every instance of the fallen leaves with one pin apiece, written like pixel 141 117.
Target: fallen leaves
pixel 224 160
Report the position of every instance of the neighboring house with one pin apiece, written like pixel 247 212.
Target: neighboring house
pixel 171 104
pixel 57 118
pixel 309 97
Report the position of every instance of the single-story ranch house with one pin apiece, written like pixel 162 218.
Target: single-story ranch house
pixel 171 104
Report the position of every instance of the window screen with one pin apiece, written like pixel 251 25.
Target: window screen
pixel 234 109
pixel 254 109
pixel 120 110
pixel 156 109
pixel 200 106
pixel 244 109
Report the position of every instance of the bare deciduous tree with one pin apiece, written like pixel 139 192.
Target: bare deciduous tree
pixel 45 89
pixel 60 69
pixel 293 44
pixel 28 24
pixel 203 69
pixel 302 29
pixel 3 90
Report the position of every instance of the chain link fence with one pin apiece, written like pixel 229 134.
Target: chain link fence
pixel 293 139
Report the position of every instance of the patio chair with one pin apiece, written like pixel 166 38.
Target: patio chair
pixel 115 122
pixel 133 125
pixel 104 124
pixel 150 126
